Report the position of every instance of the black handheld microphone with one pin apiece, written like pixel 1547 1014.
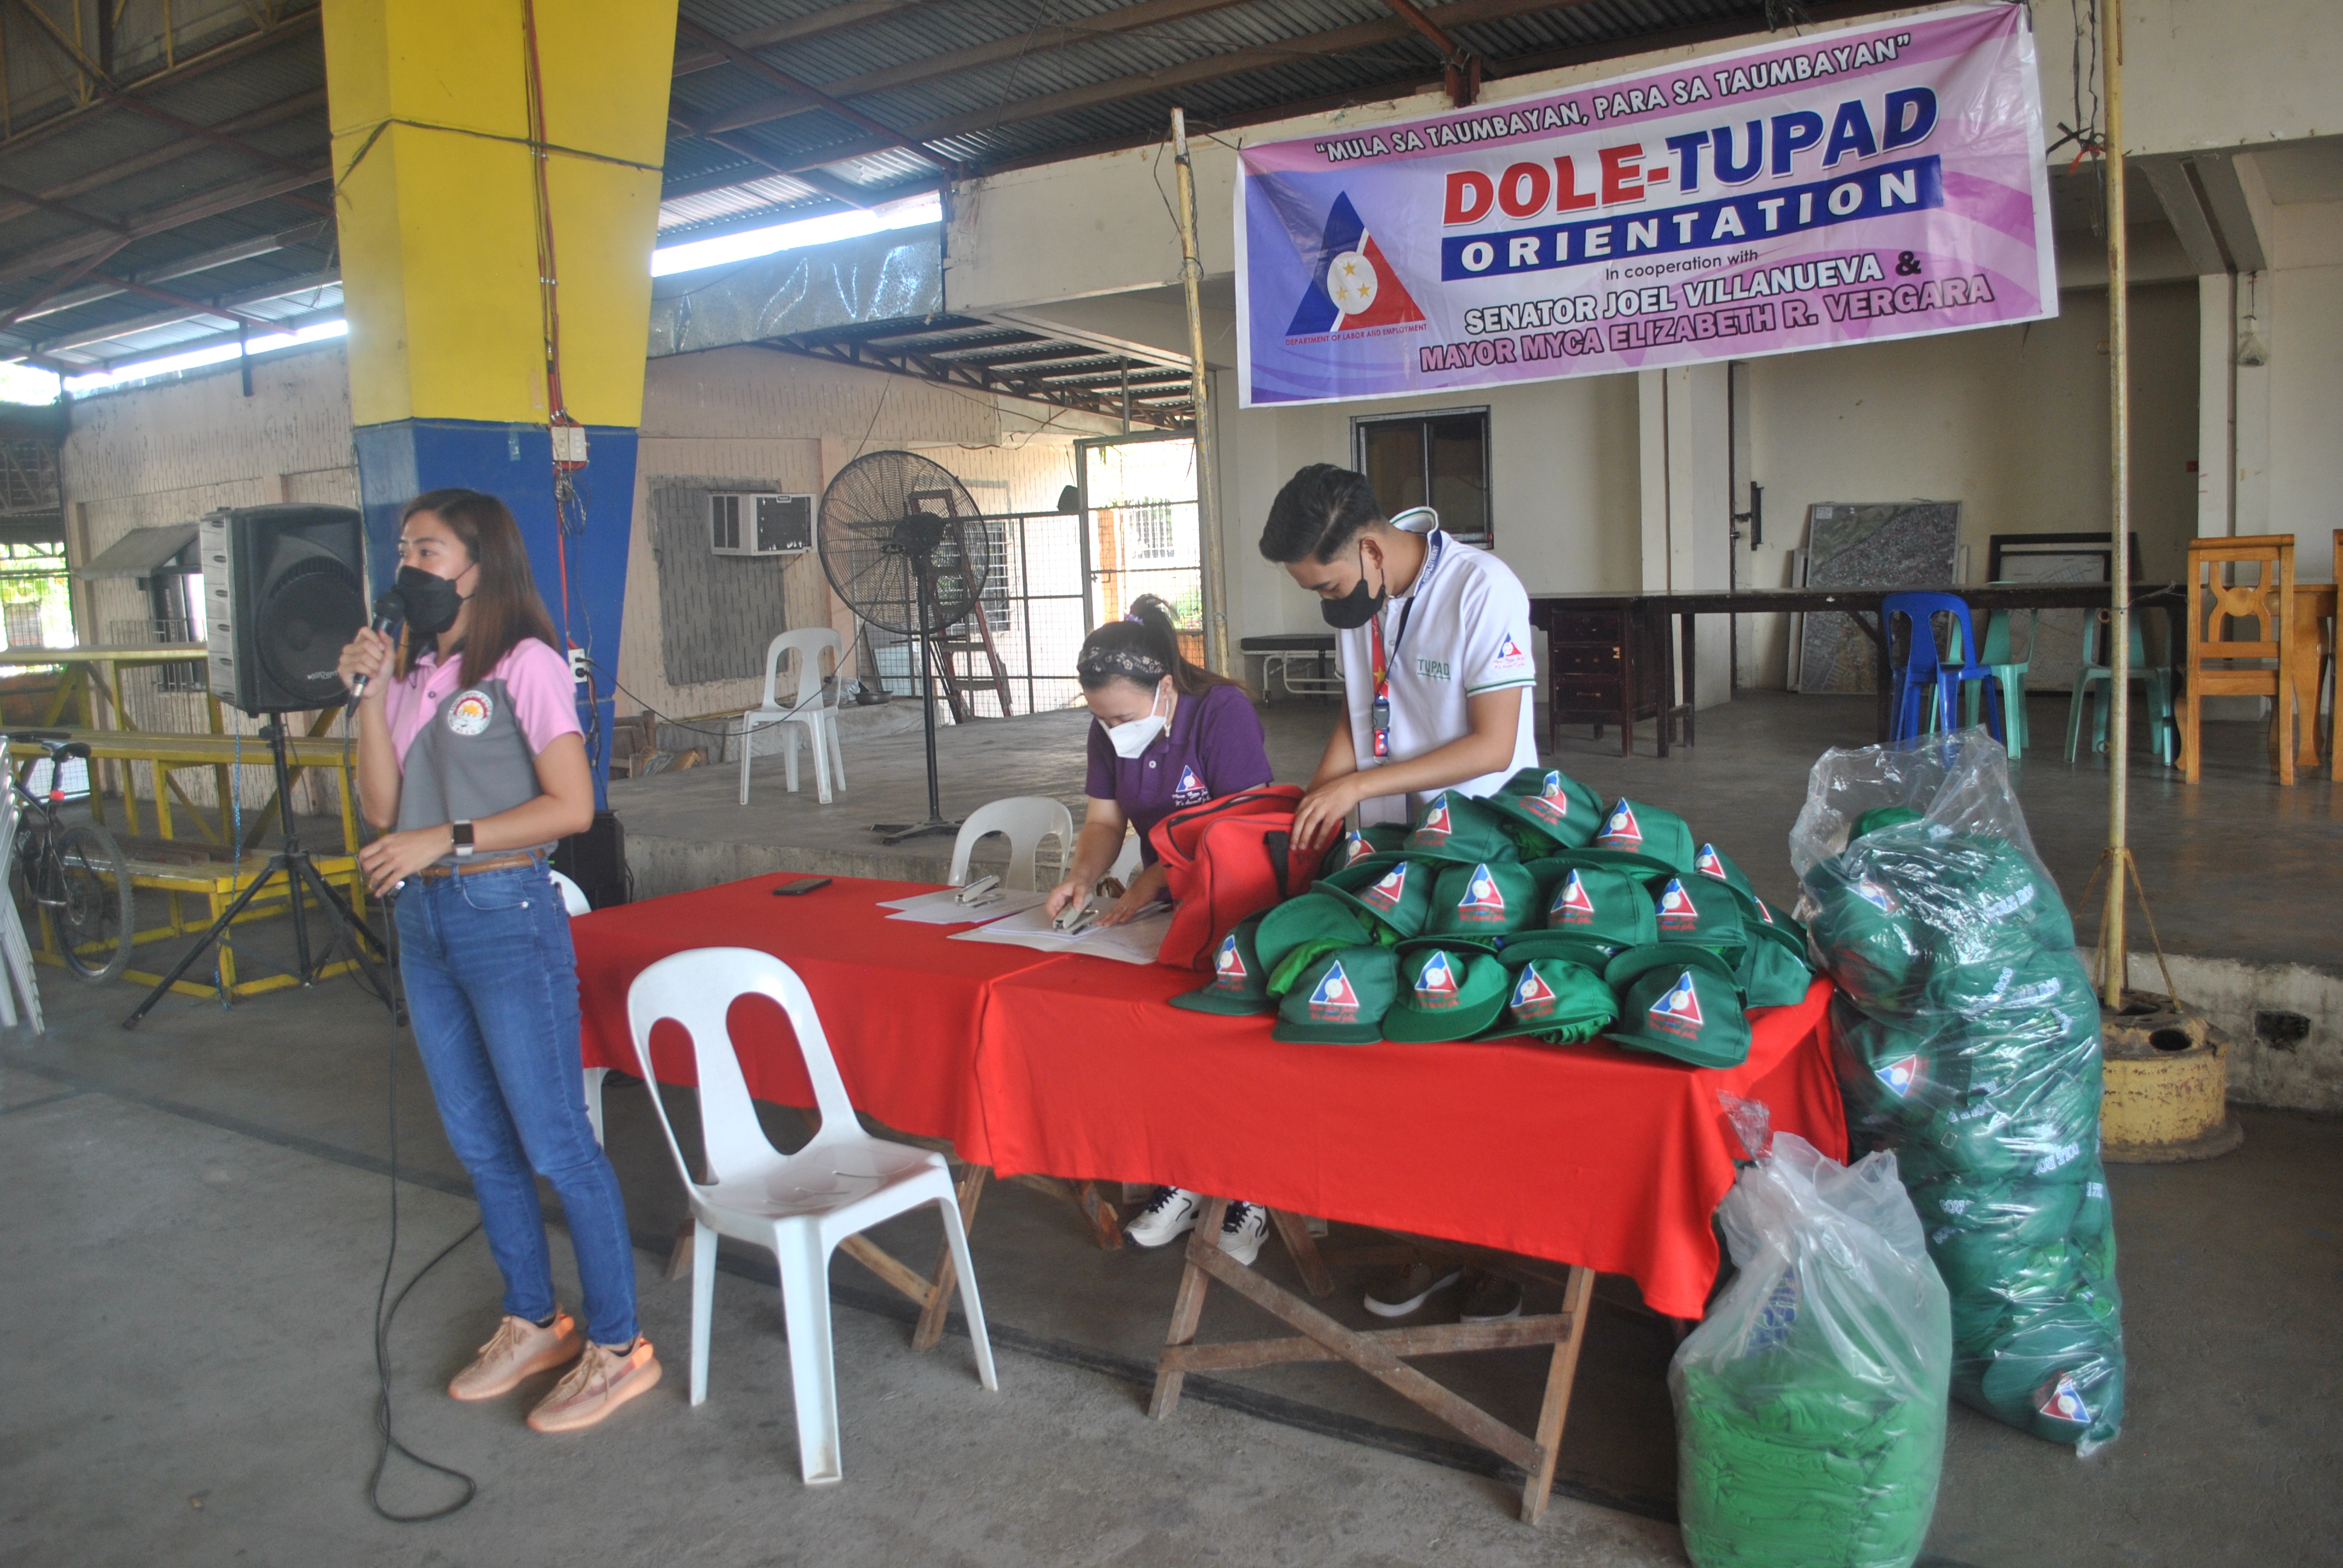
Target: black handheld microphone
pixel 389 611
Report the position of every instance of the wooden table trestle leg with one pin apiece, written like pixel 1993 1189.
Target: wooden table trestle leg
pixel 939 1286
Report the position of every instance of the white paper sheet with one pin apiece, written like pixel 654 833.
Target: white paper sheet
pixel 944 909
pixel 1135 943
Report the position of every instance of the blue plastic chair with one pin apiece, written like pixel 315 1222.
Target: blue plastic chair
pixel 1927 690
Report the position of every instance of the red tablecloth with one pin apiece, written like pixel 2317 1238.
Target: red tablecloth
pixel 1076 1067
pixel 1582 1154
pixel 900 1002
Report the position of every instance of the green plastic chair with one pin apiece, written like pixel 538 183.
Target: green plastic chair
pixel 2095 679
pixel 2010 672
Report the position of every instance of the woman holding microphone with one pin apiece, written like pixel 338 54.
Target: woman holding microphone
pixel 1166 734
pixel 470 751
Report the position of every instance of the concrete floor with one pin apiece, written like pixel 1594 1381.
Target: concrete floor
pixel 199 1229
pixel 2235 867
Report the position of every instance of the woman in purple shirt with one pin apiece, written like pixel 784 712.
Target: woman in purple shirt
pixel 1164 735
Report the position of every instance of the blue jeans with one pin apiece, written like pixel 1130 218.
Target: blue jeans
pixel 492 989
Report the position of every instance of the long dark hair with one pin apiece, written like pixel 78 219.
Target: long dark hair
pixel 1142 647
pixel 506 608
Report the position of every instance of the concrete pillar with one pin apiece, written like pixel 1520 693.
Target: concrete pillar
pixel 1687 444
pixel 444 226
pixel 2215 407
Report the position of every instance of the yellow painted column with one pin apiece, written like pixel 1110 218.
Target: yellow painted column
pixel 471 138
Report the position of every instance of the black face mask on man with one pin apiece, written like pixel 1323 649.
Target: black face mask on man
pixel 1358 607
pixel 432 602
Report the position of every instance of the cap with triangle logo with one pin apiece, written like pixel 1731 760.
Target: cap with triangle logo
pixel 1680 1001
pixel 1482 901
pixel 1446 993
pixel 1461 830
pixel 1298 931
pixel 1601 903
pixel 1548 809
pixel 1556 999
pixel 1701 911
pixel 1391 890
pixel 1240 985
pixel 1340 999
pixel 1709 861
pixel 1660 836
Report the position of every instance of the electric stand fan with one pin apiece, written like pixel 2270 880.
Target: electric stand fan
pixel 894 543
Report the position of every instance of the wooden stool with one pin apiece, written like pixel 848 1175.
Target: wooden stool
pixel 2222 666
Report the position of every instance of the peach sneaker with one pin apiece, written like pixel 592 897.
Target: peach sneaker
pixel 601 1381
pixel 517 1352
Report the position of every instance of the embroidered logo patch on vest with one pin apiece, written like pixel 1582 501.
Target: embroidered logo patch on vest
pixel 470 712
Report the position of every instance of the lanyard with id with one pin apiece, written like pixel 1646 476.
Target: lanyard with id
pixel 1379 718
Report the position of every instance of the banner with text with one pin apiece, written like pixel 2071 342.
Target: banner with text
pixel 1846 186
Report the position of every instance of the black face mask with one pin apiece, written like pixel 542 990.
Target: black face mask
pixel 432 603
pixel 1356 608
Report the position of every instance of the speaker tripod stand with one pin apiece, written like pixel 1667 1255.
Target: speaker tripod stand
pixel 301 876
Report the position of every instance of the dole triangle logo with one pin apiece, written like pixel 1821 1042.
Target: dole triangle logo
pixel 1482 900
pixel 1677 910
pixel 1435 982
pixel 2062 1400
pixel 1901 1076
pixel 1620 833
pixel 1533 997
pixel 1509 648
pixel 1572 907
pixel 1334 998
pixel 1436 817
pixel 1877 897
pixel 1550 802
pixel 1679 1005
pixel 1229 969
pixel 1709 865
pixel 1391 889
pixel 1351 285
pixel 1188 783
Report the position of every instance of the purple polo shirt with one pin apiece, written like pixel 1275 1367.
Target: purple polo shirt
pixel 1214 747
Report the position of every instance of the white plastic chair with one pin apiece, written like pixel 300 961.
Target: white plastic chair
pixel 1024 820
pixel 799 1206
pixel 573 897
pixel 1127 864
pixel 812 710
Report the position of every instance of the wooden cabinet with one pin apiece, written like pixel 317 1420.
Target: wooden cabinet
pixel 1604 661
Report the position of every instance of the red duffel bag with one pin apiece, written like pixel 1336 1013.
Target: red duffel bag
pixel 1226 858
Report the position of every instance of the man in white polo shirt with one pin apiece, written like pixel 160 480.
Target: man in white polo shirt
pixel 1433 639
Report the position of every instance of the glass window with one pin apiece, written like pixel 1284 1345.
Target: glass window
pixel 1436 460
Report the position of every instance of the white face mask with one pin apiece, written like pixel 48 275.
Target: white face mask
pixel 1131 739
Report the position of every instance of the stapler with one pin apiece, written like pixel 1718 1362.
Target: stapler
pixel 1071 921
pixel 979 891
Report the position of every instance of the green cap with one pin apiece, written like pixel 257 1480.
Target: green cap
pixel 1375 838
pixel 1390 890
pixel 1340 999
pixel 1549 809
pixel 1639 829
pixel 1556 999
pixel 1757 915
pixel 1240 985
pixel 1481 902
pixel 1681 1002
pixel 1700 910
pixel 1713 863
pixel 1600 902
pixel 1880 817
pixel 1301 929
pixel 1446 994
pixel 1867 937
pixel 1523 946
pixel 1461 830
pixel 1772 971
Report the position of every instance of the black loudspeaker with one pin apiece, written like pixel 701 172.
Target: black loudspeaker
pixel 284 592
pixel 596 860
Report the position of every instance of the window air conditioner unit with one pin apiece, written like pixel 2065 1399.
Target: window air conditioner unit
pixel 753 523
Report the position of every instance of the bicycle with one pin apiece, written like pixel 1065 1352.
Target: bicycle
pixel 73 872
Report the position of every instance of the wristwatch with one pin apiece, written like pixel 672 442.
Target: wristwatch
pixel 462 833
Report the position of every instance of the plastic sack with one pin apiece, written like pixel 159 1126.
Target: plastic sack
pixel 1810 1401
pixel 1966 1040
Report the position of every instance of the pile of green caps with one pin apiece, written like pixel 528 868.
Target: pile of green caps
pixel 1967 1042
pixel 1810 1402
pixel 1534 914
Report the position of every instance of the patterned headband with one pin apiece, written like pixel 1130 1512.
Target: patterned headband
pixel 1098 664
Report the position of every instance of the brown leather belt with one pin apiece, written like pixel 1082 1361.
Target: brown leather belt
pixel 473 867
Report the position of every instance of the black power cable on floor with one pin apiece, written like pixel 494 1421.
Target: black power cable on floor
pixel 383 1318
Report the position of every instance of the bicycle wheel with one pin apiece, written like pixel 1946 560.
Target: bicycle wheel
pixel 94 918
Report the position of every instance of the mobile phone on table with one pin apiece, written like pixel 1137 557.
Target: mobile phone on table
pixel 802 885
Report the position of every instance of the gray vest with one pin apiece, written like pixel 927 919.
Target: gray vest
pixel 469 761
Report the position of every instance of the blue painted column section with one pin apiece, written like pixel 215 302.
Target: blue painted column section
pixel 397 462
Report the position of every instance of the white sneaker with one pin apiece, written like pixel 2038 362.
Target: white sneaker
pixel 1242 1232
pixel 1168 1215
